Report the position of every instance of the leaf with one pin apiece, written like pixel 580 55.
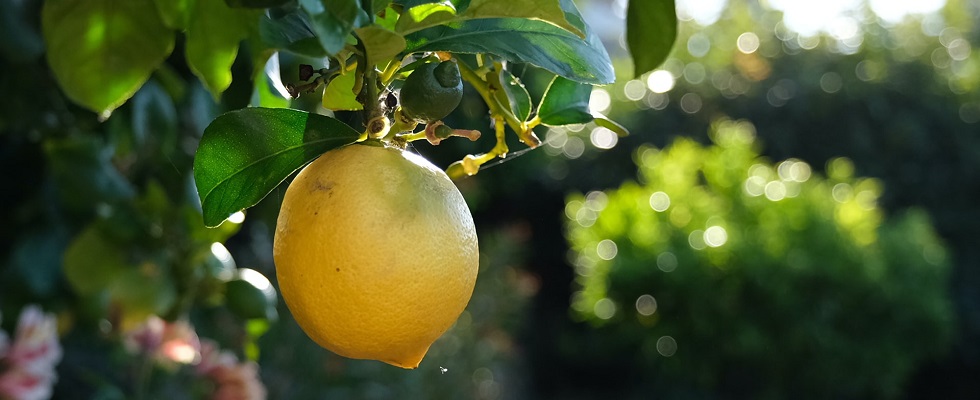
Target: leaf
pixel 154 115
pixel 333 20
pixel 269 90
pixel 101 51
pixel 255 3
pixel 174 13
pixel 565 102
pixel 141 292
pixel 212 42
pixel 292 31
pixel 607 123
pixel 380 4
pixel 380 44
pixel 549 11
pixel 245 154
pixel 514 94
pixel 92 262
pixel 36 259
pixel 651 29
pixel 521 40
pixel 339 93
pixel 425 15
pixel 82 170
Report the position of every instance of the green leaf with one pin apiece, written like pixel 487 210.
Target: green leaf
pixel 515 95
pixel 339 93
pixel 607 123
pixel 565 102
pixel 92 262
pixel 651 29
pixel 292 31
pixel 154 115
pixel 430 14
pixel 255 3
pixel 425 15
pixel 175 14
pixel 144 291
pixel 212 42
pixel 245 154
pixel 521 40
pixel 549 11
pixel 82 170
pixel 36 259
pixel 379 5
pixel 380 44
pixel 269 90
pixel 101 51
pixel 333 20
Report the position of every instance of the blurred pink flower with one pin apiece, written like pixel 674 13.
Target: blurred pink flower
pixel 167 342
pixel 146 337
pixel 27 366
pixel 36 342
pixel 22 384
pixel 233 380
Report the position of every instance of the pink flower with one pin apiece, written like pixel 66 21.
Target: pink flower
pixel 36 342
pixel 167 342
pixel 145 338
pixel 28 364
pixel 22 384
pixel 233 380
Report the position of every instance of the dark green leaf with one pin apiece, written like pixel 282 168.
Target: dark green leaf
pixel 255 3
pixel 292 31
pixel 651 29
pixel 19 39
pixel 380 5
pixel 154 115
pixel 515 95
pixel 212 41
pixel 84 174
pixel 101 51
pixel 521 40
pixel 565 102
pixel 245 154
pixel 333 20
pixel 36 259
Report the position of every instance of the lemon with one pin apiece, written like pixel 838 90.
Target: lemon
pixel 432 91
pixel 376 253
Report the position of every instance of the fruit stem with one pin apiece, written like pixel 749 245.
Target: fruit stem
pixel 389 73
pixel 496 109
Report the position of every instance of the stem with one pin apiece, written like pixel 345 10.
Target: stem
pixel 496 109
pixel 389 73
pixel 411 137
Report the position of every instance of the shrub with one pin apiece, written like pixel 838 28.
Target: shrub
pixel 733 274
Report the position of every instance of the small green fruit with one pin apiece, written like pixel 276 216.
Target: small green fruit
pixel 432 91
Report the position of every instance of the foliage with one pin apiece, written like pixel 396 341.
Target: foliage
pixel 719 257
pixel 369 45
pixel 108 227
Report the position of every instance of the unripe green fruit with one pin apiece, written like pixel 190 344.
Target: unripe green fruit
pixel 432 91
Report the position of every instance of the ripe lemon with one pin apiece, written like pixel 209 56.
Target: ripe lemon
pixel 376 253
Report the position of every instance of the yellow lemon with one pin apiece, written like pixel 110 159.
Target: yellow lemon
pixel 376 253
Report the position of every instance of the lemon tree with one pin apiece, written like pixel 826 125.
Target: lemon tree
pixel 375 249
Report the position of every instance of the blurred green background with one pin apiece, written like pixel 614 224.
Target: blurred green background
pixel 795 214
